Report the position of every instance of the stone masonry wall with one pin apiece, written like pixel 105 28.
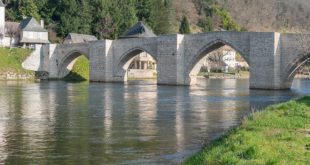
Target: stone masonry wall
pixel 271 56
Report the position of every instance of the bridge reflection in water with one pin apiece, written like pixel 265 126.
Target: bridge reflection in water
pixel 61 123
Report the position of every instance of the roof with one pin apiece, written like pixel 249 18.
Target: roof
pixel 2 4
pixel 30 24
pixel 79 38
pixel 139 30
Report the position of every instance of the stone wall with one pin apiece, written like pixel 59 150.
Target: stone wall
pixel 37 59
pixel 141 73
pixel 16 76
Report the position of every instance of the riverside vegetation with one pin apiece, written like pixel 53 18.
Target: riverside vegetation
pixel 11 64
pixel 278 135
pixel 80 70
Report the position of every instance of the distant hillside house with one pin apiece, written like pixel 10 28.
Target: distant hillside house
pixel 78 38
pixel 27 33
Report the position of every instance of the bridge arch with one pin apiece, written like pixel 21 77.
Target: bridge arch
pixel 123 63
pixel 194 65
pixel 293 67
pixel 66 62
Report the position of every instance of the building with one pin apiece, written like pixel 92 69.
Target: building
pixel 143 65
pixel 139 30
pixel 143 60
pixel 79 38
pixel 27 33
pixel 32 33
pixel 229 58
pixel 223 59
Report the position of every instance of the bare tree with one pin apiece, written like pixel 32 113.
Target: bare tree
pixel 215 58
pixel 12 31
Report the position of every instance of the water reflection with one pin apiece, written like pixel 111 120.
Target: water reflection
pixel 61 123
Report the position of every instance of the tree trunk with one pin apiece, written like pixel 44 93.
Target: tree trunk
pixel 10 42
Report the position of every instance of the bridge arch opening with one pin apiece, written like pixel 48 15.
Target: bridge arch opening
pixel 74 67
pixel 298 70
pixel 218 60
pixel 137 64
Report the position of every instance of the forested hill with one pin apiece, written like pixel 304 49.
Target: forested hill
pixel 110 18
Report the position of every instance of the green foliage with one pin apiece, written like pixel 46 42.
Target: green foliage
pixel 110 19
pixel 103 18
pixel 11 59
pixel 145 11
pixel 206 24
pixel 80 70
pixel 278 135
pixel 126 16
pixel 184 27
pixel 163 14
pixel 28 8
pixel 226 20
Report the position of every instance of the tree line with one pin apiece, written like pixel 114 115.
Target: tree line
pixel 103 18
pixel 108 19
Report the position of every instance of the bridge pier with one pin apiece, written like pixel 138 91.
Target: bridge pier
pixel 101 61
pixel 265 62
pixel 171 60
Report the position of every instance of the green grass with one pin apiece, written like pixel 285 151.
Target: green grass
pixel 278 135
pixel 11 60
pixel 80 70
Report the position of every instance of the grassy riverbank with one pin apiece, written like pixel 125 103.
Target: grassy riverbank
pixel 11 64
pixel 12 59
pixel 80 70
pixel 278 135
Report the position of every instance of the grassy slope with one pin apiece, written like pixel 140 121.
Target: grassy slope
pixel 80 70
pixel 11 60
pixel 278 135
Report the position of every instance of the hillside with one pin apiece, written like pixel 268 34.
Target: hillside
pixel 253 15
pixel 271 15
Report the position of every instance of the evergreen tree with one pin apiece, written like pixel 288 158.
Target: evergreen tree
pixel 162 10
pixel 28 8
pixel 85 18
pixel 11 11
pixel 184 27
pixel 46 9
pixel 69 22
pixel 145 11
pixel 126 17
pixel 103 24
pixel 206 24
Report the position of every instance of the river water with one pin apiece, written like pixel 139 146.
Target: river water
pixel 136 123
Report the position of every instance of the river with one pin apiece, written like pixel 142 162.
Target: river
pixel 136 123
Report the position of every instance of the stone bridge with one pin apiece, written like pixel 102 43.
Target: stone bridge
pixel 273 57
